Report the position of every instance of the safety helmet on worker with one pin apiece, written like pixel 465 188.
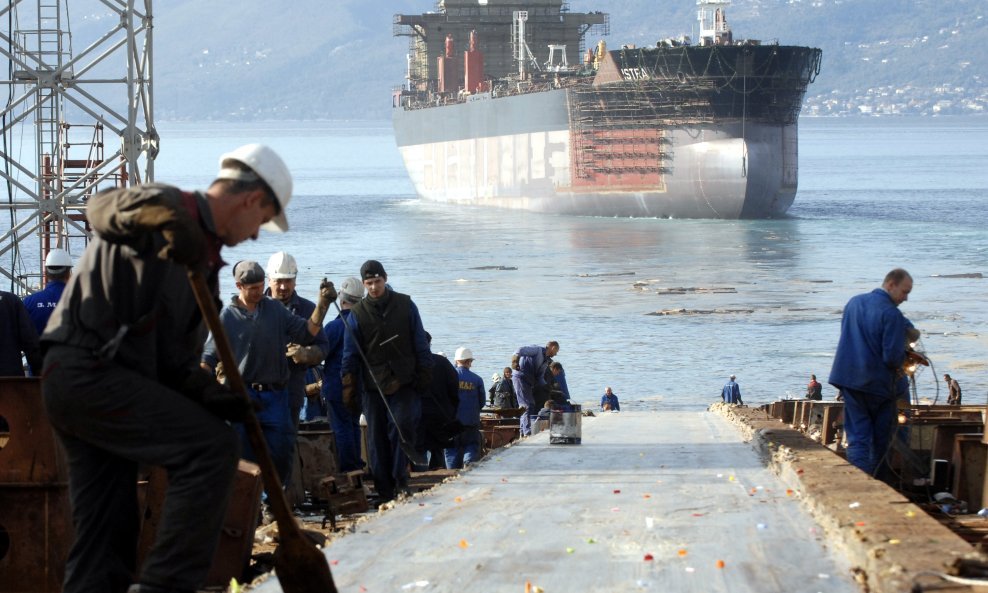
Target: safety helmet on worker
pixel 58 258
pixel 463 354
pixel 266 163
pixel 281 266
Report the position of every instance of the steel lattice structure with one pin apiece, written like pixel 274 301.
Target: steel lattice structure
pixel 73 123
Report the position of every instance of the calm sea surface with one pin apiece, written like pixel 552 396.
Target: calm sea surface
pixel 873 194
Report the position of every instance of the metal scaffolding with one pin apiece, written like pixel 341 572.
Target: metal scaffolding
pixel 60 106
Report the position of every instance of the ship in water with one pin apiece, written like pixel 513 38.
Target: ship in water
pixel 505 106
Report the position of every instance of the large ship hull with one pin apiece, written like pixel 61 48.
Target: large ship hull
pixel 520 152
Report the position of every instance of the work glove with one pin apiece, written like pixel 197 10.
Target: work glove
pixel 185 242
pixel 201 386
pixel 304 355
pixel 423 380
pixel 312 390
pixel 350 399
pixel 327 295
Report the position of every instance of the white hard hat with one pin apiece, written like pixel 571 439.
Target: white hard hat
pixel 268 165
pixel 352 290
pixel 58 258
pixel 463 354
pixel 281 266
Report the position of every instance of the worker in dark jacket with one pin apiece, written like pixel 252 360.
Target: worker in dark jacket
pixel 954 391
pixel 867 367
pixel 439 424
pixel 387 330
pixel 123 386
pixel 17 337
pixel 58 268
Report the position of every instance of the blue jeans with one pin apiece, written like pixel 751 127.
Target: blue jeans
pixel 869 421
pixel 465 449
pixel 279 431
pixel 346 427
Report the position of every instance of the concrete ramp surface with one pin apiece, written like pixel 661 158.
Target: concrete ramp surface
pixel 650 501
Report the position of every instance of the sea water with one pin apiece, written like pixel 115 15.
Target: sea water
pixel 760 299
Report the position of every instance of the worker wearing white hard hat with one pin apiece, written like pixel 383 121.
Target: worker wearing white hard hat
pixel 123 386
pixel 282 272
pixel 41 304
pixel 465 447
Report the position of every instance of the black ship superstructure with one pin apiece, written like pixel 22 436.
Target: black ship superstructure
pixel 528 117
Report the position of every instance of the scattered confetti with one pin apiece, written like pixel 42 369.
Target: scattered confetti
pixel 334 562
pixel 690 569
pixel 649 522
pixel 799 471
pixel 789 492
pixel 427 518
pixel 504 480
pixel 720 475
pixel 617 492
pixel 860 524
pixel 464 544
pixel 682 553
pixel 234 586
pixel 591 540
pixel 363 589
pixel 910 514
pixel 720 564
pixel 730 478
pixel 823 575
pixel 615 509
pixel 458 499
pixel 415 585
pixel 761 526
pixel 649 557
pixel 646 496
pixel 854 505
pixel 570 550
pixel 894 541
pixel 522 531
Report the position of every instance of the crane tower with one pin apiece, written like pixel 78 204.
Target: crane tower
pixel 77 118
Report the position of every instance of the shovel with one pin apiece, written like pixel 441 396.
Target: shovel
pixel 300 566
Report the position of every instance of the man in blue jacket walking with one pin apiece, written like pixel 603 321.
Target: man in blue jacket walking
pixel 869 359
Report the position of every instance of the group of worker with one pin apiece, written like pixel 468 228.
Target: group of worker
pixel 130 379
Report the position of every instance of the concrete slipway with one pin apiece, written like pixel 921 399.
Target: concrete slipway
pixel 670 501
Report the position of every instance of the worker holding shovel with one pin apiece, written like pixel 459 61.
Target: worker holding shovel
pixel 122 382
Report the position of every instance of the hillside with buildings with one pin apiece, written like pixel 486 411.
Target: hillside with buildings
pixel 315 60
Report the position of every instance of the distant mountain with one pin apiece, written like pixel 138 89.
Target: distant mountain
pixel 311 59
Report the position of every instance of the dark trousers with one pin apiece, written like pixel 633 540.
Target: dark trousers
pixel 110 419
pixel 869 422
pixel 388 462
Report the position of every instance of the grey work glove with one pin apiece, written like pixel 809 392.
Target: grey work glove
pixel 327 295
pixel 304 355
